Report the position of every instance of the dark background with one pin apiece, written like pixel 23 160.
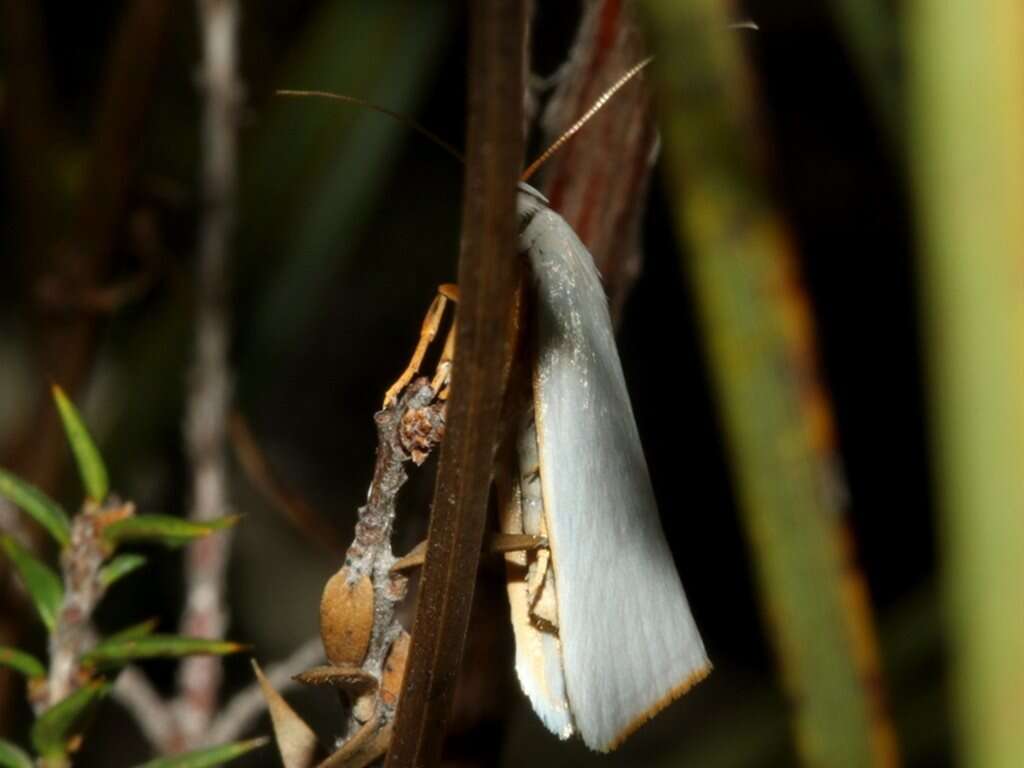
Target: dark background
pixel 327 310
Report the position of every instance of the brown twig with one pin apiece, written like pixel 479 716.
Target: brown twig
pixel 488 275
pixel 205 613
pixel 599 181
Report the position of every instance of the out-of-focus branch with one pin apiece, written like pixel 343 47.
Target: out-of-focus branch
pixel 205 613
pixel 488 275
pixel 246 705
pixel 145 705
pixel 599 181
pixel 776 410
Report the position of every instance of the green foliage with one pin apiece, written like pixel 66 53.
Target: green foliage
pixel 117 651
pixel 37 505
pixel 134 632
pixel 208 758
pixel 90 464
pixel 52 731
pixel 119 567
pixel 12 756
pixel 22 662
pixel 41 583
pixel 163 529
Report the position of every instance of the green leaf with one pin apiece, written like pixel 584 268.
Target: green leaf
pixel 207 758
pixel 165 529
pixel 114 651
pixel 42 584
pixel 13 756
pixel 134 632
pixel 87 456
pixel 120 567
pixel 40 507
pixel 52 730
pixel 22 662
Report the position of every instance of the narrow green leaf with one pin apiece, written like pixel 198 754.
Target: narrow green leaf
pixel 87 456
pixel 113 652
pixel 40 507
pixel 13 756
pixel 22 662
pixel 207 758
pixel 134 632
pixel 42 584
pixel 52 730
pixel 120 567
pixel 165 529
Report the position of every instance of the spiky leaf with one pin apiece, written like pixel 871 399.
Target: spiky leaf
pixel 90 464
pixel 115 652
pixel 40 507
pixel 13 756
pixel 120 567
pixel 22 662
pixel 163 529
pixel 52 731
pixel 207 758
pixel 134 632
pixel 41 583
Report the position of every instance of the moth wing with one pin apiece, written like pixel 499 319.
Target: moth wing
pixel 629 642
pixel 538 659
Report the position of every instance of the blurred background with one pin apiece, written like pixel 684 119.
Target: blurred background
pixel 346 224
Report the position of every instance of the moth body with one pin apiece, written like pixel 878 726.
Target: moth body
pixel 604 634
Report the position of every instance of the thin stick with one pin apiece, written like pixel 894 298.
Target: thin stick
pixel 205 613
pixel 488 276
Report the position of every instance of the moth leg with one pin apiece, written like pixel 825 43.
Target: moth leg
pixel 441 382
pixel 428 332
pixel 496 544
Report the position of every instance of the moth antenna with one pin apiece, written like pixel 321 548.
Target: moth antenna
pixel 747 24
pixel 397 116
pixel 575 127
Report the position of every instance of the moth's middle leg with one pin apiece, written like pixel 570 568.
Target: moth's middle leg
pixel 431 323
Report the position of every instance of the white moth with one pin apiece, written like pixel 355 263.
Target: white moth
pixel 604 634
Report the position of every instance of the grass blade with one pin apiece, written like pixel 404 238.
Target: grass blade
pixel 760 338
pixel 967 148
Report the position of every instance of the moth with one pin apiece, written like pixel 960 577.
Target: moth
pixel 604 634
